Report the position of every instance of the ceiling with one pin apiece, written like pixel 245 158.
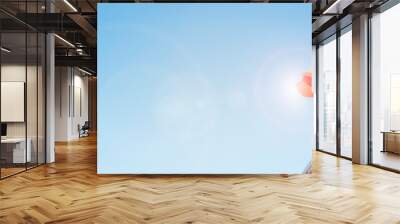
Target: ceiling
pixel 75 22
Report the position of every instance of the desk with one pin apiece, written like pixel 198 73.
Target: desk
pixel 391 141
pixel 15 148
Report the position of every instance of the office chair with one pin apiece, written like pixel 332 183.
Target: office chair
pixel 84 130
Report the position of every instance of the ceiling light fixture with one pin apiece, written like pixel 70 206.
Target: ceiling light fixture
pixel 5 50
pixel 84 71
pixel 64 40
pixel 79 51
pixel 70 5
pixel 337 7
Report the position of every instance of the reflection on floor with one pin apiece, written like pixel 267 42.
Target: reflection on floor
pixel 386 159
pixel 346 152
pixel 70 191
pixel 10 169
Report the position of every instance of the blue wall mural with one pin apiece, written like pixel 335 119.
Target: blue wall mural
pixel 204 88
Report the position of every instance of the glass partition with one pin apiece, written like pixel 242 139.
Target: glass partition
pixel 22 101
pixel 14 155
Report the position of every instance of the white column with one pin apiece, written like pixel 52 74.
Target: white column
pixel 50 110
pixel 50 92
pixel 360 90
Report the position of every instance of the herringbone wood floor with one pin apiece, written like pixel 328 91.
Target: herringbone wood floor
pixel 69 191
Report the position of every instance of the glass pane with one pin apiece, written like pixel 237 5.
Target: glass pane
pixel 13 86
pixel 327 96
pixel 32 95
pixel 386 89
pixel 41 98
pixel 346 94
pixel 22 90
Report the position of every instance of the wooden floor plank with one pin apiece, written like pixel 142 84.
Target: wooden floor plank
pixel 70 191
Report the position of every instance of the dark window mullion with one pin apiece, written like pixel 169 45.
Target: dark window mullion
pixel 26 86
pixel 0 95
pixel 369 95
pixel 338 81
pixel 37 90
pixel 317 96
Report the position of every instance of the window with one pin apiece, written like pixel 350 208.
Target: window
pixel 346 92
pixel 385 89
pixel 327 96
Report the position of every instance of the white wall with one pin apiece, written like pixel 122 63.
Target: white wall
pixel 62 82
pixel 79 117
pixel 70 84
pixel 12 73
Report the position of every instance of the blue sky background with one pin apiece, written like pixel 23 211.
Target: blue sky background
pixel 203 88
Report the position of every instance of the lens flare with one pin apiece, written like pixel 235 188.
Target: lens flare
pixel 304 86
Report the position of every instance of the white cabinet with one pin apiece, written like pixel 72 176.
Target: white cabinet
pixel 19 155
